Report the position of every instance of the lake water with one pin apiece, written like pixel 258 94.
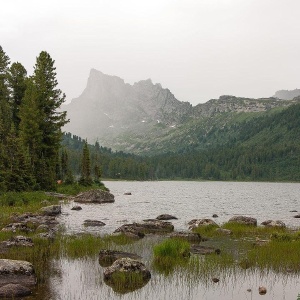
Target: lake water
pixel 188 200
pixel 83 279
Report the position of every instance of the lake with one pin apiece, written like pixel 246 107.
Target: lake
pixel 187 200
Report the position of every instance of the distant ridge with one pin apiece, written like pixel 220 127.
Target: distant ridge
pixel 287 95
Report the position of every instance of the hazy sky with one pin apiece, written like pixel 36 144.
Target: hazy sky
pixel 199 49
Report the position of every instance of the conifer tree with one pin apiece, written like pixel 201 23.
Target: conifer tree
pixel 17 83
pixel 49 100
pixel 85 178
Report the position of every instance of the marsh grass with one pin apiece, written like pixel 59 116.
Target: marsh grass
pixel 76 188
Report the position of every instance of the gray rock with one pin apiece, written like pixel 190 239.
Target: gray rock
pixel 130 231
pixel 134 275
pixel 17 272
pixel 95 196
pixel 195 223
pixel 76 207
pixel 243 220
pixel 204 250
pixel 93 223
pixel 189 236
pixel 215 216
pixel 108 257
pixel 14 227
pixel 35 219
pixel 166 217
pixel 52 210
pixel 12 290
pixel 42 228
pixel 271 223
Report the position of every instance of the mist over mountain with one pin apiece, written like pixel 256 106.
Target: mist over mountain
pixel 287 95
pixel 145 118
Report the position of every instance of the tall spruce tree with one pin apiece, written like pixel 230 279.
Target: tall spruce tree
pixel 49 100
pixel 17 82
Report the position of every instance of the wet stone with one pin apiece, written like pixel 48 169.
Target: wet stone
pixel 93 223
pixel 108 257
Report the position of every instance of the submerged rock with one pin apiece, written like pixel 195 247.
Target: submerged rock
pixel 127 194
pixel 108 257
pixel 126 275
pixel 12 290
pixel 93 223
pixel 271 223
pixel 189 236
pixel 95 196
pixel 204 250
pixel 52 210
pixel 130 231
pixel 17 272
pixel 166 217
pixel 195 223
pixel 243 220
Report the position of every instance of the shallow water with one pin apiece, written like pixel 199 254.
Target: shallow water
pixel 83 278
pixel 187 200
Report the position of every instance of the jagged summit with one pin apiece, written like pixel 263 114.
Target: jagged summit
pixel 123 116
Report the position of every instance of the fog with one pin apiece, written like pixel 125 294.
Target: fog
pixel 197 49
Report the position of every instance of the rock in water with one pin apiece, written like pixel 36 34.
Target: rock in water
pixel 95 196
pixel 93 223
pixel 17 272
pixel 262 290
pixel 243 220
pixel 189 236
pixel 166 217
pixel 126 275
pixel 201 222
pixel 108 257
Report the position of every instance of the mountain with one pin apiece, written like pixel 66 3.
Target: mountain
pixel 287 95
pixel 145 118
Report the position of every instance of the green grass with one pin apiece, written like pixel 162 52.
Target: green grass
pixel 76 188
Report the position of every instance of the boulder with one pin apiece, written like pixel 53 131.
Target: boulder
pixel 93 223
pixel 130 231
pixel 243 220
pixel 76 207
pixel 154 226
pixel 215 216
pixel 108 257
pixel 126 275
pixel 52 210
pixel 166 217
pixel 95 196
pixel 297 216
pixel 204 250
pixel 13 290
pixel 271 223
pixel 16 272
pixel 189 236
pixel 201 222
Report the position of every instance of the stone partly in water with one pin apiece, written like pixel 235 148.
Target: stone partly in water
pixel 95 196
pixel 108 257
pixel 76 207
pixel 189 236
pixel 94 223
pixel 138 230
pixel 195 223
pixel 17 272
pixel 52 210
pixel 243 220
pixel 204 250
pixel 126 275
pixel 271 223
pixel 262 290
pixel 13 290
pixel 166 217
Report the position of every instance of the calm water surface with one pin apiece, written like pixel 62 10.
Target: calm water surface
pixel 83 278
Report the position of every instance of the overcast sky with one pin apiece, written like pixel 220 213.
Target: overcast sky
pixel 199 49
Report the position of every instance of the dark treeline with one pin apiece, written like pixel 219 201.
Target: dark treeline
pixel 30 125
pixel 266 148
